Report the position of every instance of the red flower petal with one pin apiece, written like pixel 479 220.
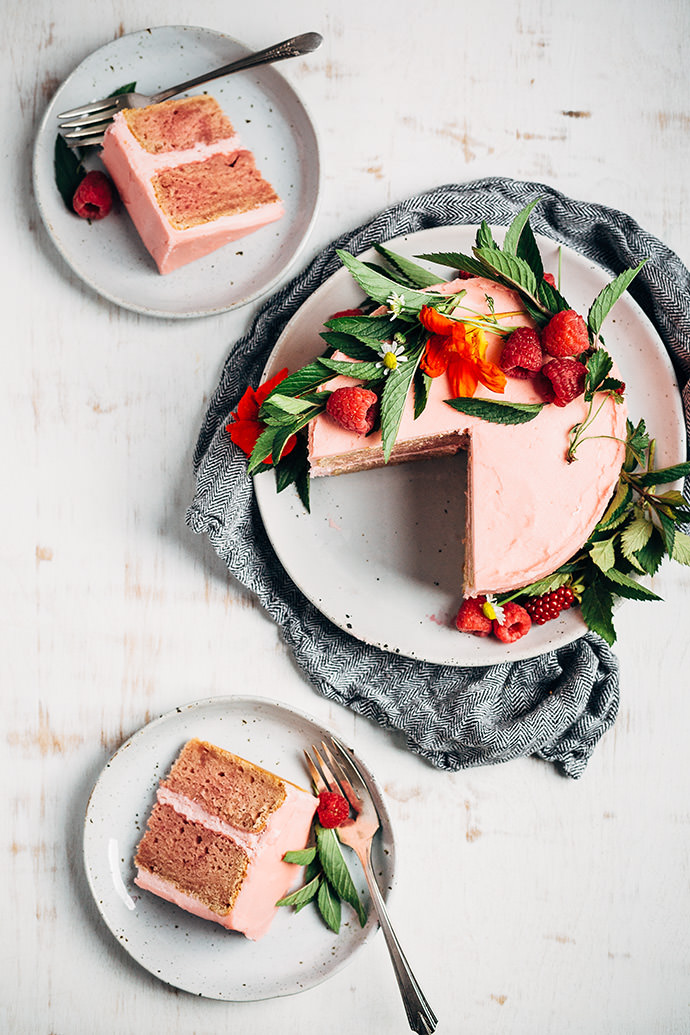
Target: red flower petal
pixel 462 375
pixel 436 354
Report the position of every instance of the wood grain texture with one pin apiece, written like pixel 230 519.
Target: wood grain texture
pixel 526 903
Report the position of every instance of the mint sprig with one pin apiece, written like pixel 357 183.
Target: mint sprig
pixel 328 880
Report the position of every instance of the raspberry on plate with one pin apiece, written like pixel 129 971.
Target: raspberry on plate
pixel 332 809
pixel 566 377
pixel 548 606
pixel 522 355
pixel 516 622
pixel 565 334
pixel 93 198
pixel 353 408
pixel 471 618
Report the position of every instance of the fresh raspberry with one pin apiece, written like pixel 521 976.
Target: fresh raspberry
pixel 347 312
pixel 567 379
pixel 471 619
pixel 332 809
pixel 550 279
pixel 516 622
pixel 522 356
pixel 548 606
pixel 353 408
pixel 565 334
pixel 93 198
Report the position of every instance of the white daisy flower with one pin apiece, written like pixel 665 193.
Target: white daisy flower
pixel 391 354
pixel 396 304
pixel 492 609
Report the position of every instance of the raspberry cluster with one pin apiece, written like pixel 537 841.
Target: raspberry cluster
pixel 549 605
pixel 472 618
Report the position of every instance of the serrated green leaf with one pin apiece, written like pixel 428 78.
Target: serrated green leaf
pixel 664 475
pixel 353 347
pixel 598 366
pixel 551 298
pixel 365 328
pixel 262 448
pixel 335 868
pixel 457 261
pixel 393 399
pixel 622 500
pixel 416 275
pixel 681 548
pixel 294 469
pixel 329 906
pixel 668 530
pixel 305 380
pixel 596 607
pixel 634 536
pixel 529 251
pixel 545 585
pixel 422 386
pixel 301 857
pixel 510 269
pixel 652 553
pixel 360 371
pixel 673 497
pixel 484 237
pixel 603 553
pixel 380 287
pixel 302 895
pixel 628 587
pixel 515 230
pixel 607 298
pixel 497 411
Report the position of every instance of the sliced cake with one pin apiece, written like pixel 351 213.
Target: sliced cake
pixel 186 180
pixel 216 837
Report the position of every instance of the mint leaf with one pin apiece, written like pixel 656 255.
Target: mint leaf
pixel 456 261
pixel 69 171
pixel 597 608
pixel 302 895
pixel 335 868
pixel 364 328
pixel 422 385
pixel 627 587
pixel 329 906
pixel 497 411
pixel 380 287
pixel 393 399
pixel 550 297
pixel 484 236
pixel 351 346
pixel 607 298
pixel 514 233
pixel 361 371
pixel 415 275
pixel 598 366
pixel 305 380
pixel 509 268
pixel 301 857
pixel 262 448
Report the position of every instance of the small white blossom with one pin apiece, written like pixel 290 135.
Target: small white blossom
pixel 492 609
pixel 391 354
pixel 396 304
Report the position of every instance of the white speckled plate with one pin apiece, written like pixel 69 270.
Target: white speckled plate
pixel 271 120
pixel 382 552
pixel 196 955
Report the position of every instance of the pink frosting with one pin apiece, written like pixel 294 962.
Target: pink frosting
pixel 529 510
pixel 268 877
pixel 132 169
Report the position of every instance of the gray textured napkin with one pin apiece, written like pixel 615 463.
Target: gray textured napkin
pixel 555 706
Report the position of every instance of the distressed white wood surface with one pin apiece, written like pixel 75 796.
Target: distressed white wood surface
pixel 527 903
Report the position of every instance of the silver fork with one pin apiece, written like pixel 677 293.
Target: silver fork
pixel 85 126
pixel 342 775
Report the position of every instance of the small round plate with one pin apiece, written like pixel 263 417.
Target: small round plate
pixel 381 554
pixel 196 955
pixel 271 121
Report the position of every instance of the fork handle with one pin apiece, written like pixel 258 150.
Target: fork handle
pixel 419 1014
pixel 292 47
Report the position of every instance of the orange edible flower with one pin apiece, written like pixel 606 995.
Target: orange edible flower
pixel 245 426
pixel 459 351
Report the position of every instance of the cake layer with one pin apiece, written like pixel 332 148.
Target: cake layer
pixel 188 189
pixel 222 859
pixel 528 509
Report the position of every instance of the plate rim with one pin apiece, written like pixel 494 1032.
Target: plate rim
pixel 264 489
pixel 284 710
pixel 140 308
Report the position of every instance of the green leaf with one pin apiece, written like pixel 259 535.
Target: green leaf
pixel 497 411
pixel 282 409
pixel 603 553
pixel 664 475
pixel 301 857
pixel 69 171
pixel 627 587
pixel 551 298
pixel 529 251
pixel 607 298
pixel 263 448
pixel 652 554
pixel 635 535
pixel 622 500
pixel 510 268
pixel 329 906
pixel 364 328
pixel 335 868
pixel 515 230
pixel 668 530
pixel 545 585
pixel 358 370
pixel 380 287
pixel 422 385
pixel 597 608
pixel 457 261
pixel 681 548
pixel 351 346
pixel 416 275
pixel 302 895
pixel 484 236
pixel 307 379
pixel 393 399
pixel 598 366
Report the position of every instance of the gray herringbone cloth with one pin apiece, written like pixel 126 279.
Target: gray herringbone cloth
pixel 555 706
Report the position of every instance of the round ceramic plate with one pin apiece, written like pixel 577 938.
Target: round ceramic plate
pixel 271 121
pixel 381 553
pixel 196 955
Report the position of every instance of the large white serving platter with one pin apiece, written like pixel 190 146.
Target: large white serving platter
pixel 272 122
pixel 381 553
pixel 196 955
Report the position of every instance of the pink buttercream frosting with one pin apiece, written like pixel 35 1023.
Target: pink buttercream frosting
pixel 529 510
pixel 133 168
pixel 268 878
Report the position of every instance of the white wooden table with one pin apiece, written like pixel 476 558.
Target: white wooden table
pixel 526 902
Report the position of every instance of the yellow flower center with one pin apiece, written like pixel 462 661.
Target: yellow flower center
pixel 390 360
pixel 487 608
